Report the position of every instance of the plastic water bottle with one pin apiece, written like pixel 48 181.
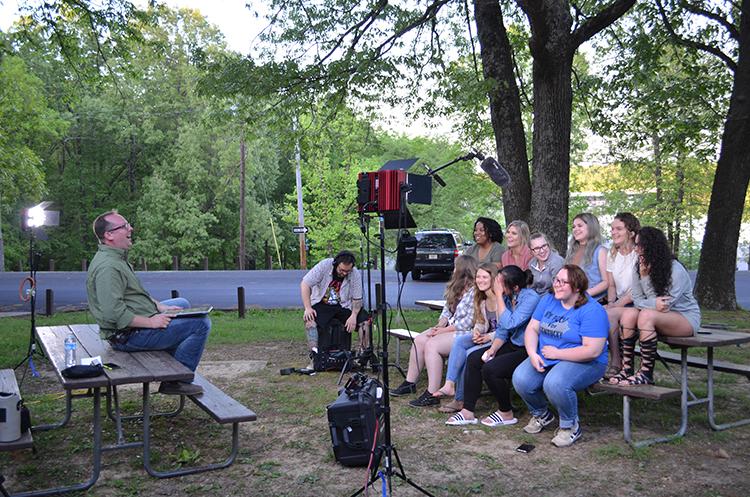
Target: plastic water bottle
pixel 71 344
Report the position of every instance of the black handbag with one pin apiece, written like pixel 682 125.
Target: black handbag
pixel 80 371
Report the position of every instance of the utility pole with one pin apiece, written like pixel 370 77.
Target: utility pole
pixel 300 209
pixel 242 201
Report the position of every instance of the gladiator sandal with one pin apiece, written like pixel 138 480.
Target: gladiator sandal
pixel 627 348
pixel 645 375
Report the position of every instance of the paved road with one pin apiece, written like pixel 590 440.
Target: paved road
pixel 265 289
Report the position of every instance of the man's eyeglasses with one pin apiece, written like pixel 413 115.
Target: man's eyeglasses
pixel 540 248
pixel 118 227
pixel 559 282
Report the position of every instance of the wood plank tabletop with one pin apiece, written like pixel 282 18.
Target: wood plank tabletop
pixel 52 340
pixel 708 337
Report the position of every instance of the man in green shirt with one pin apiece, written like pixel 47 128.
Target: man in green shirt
pixel 128 317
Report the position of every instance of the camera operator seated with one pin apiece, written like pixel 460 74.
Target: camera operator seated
pixel 333 289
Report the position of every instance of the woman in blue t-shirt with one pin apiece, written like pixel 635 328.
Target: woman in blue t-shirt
pixel 565 340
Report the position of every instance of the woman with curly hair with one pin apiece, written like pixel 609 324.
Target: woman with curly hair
pixel 664 304
pixel 487 239
pixel 586 251
pixel 435 343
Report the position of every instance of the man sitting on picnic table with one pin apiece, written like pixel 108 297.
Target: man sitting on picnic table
pixel 128 317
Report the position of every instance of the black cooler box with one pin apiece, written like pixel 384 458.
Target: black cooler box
pixel 351 419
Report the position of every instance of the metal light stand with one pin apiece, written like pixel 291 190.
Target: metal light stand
pixel 369 355
pixel 388 451
pixel 32 301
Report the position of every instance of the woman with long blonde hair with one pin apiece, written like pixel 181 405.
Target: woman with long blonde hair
pixel 434 343
pixel 517 240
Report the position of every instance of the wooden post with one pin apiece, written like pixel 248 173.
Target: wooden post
pixel 205 263
pixel 175 263
pixel 144 265
pixel 84 265
pixel 52 264
pixel 241 302
pixel 20 265
pixel 49 302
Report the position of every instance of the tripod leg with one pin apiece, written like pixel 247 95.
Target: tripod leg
pixel 401 474
pixel 3 492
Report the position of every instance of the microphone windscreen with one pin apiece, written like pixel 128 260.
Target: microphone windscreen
pixel 495 171
pixel 438 179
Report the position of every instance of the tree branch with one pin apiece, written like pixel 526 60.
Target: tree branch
pixel 733 31
pixel 728 61
pixel 601 20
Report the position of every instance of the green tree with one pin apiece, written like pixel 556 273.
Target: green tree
pixel 27 127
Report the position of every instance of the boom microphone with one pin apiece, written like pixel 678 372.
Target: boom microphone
pixel 432 173
pixel 479 155
pixel 495 171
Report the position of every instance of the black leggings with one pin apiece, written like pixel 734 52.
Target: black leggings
pixel 497 373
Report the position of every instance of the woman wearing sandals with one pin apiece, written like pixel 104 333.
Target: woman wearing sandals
pixel 565 340
pixel 517 240
pixel 485 321
pixel 515 304
pixel 545 264
pixel 586 251
pixel 487 239
pixel 620 263
pixel 664 304
pixel 433 344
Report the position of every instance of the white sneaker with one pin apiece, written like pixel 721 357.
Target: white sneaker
pixel 537 423
pixel 565 437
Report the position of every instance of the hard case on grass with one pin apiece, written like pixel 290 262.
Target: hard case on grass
pixel 352 421
pixel 334 348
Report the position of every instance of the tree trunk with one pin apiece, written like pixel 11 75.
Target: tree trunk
pixel 552 47
pixel 505 108
pixel 714 286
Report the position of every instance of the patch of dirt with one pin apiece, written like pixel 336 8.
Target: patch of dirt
pixel 287 451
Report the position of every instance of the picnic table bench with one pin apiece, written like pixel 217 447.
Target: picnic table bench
pixel 133 368
pixel 705 337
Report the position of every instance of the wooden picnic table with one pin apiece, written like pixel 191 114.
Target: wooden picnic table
pixel 435 305
pixel 131 368
pixel 708 338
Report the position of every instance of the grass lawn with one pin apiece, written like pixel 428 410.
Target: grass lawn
pixel 287 452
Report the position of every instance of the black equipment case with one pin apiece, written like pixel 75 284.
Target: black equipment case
pixel 352 421
pixel 334 348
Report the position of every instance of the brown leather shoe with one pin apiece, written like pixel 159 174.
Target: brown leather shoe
pixel 179 388
pixel 452 406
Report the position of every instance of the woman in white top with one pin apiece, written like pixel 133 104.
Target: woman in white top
pixel 620 263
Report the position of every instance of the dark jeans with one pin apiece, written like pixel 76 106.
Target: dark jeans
pixel 497 373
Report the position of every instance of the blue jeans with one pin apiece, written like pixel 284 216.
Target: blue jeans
pixel 184 338
pixel 559 383
pixel 462 347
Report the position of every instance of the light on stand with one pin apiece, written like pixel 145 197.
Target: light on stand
pixel 33 220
